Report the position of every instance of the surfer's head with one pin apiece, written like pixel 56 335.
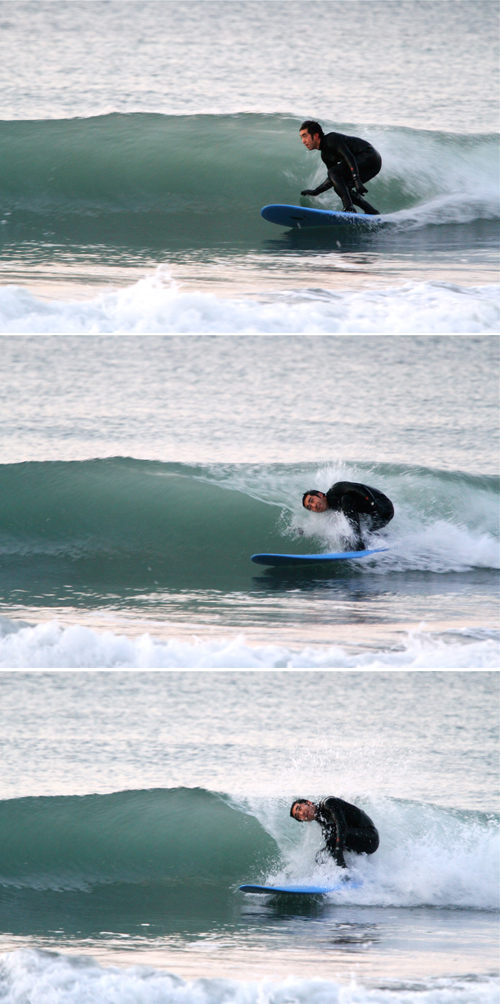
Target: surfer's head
pixel 303 810
pixel 311 134
pixel 315 501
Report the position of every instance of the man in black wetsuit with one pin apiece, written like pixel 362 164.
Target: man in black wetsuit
pixel 349 161
pixel 344 826
pixel 353 500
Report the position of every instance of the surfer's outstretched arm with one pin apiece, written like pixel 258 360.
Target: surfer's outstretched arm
pixel 321 188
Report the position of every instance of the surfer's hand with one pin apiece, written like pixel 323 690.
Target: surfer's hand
pixel 359 187
pixel 307 191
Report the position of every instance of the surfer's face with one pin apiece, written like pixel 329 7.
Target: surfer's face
pixel 310 142
pixel 304 812
pixel 316 503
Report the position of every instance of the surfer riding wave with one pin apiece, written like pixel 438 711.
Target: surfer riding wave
pixel 354 500
pixel 344 826
pixel 350 162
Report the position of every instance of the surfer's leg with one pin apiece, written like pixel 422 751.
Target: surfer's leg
pixel 368 168
pixel 361 841
pixel 364 205
pixel 342 190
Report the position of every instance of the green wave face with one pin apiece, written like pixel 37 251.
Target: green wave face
pixel 86 863
pixel 118 521
pixel 178 176
pixel 202 179
pixel 176 836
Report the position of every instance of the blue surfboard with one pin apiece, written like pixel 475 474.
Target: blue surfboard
pixel 304 890
pixel 300 216
pixel 306 559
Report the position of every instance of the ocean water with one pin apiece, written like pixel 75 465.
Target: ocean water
pixel 140 140
pixel 133 805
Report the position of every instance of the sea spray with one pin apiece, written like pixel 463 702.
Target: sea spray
pixel 428 855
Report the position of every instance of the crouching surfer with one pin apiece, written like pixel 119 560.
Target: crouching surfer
pixel 350 162
pixel 344 827
pixel 354 500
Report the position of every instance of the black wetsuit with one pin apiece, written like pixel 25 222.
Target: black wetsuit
pixel 349 161
pixel 354 499
pixel 345 828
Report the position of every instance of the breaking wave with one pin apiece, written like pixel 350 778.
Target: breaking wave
pixel 191 837
pixel 52 645
pixel 126 521
pixel 202 172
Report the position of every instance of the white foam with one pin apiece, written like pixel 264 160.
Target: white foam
pixel 51 645
pixel 440 547
pixel 453 181
pixel 48 978
pixel 155 304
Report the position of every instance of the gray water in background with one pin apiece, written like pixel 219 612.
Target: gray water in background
pixel 431 65
pixel 427 401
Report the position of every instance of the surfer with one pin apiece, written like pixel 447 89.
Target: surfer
pixel 344 827
pixel 353 500
pixel 349 161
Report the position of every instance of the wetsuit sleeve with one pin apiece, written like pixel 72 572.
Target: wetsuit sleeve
pixel 321 188
pixel 355 818
pixel 333 827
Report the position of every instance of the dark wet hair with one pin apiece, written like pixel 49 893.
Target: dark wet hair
pixel 312 491
pixel 312 127
pixel 298 801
